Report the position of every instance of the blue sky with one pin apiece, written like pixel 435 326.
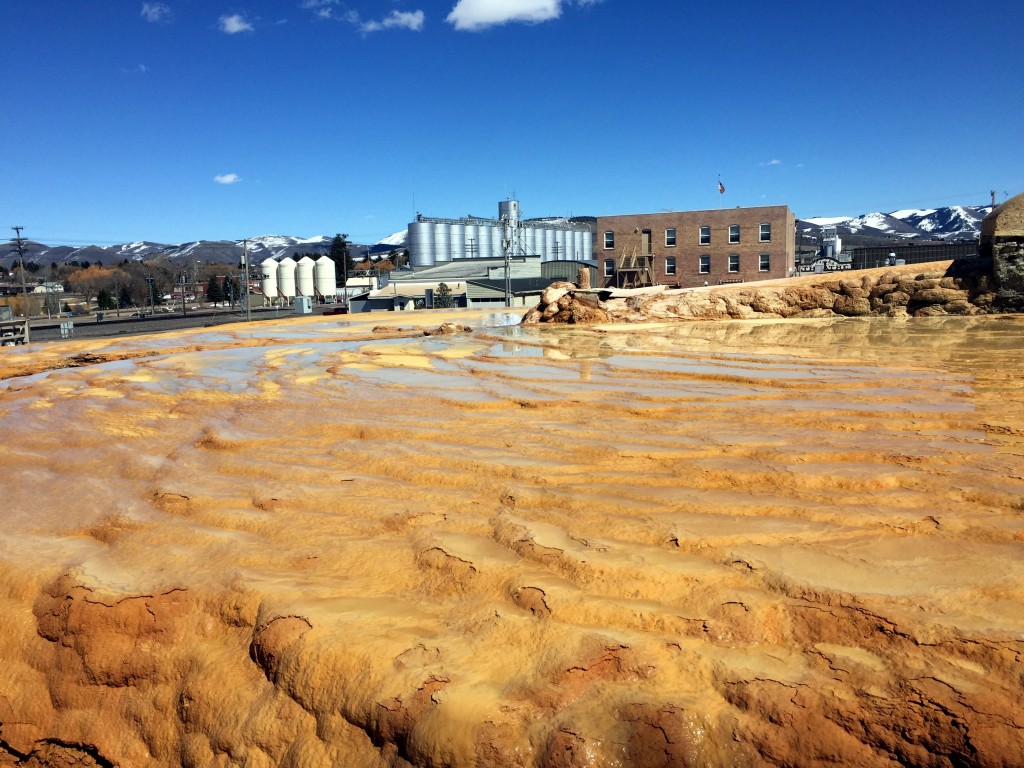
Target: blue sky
pixel 181 120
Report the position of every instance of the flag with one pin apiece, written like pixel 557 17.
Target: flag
pixel 721 187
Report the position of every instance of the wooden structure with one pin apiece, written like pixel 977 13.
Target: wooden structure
pixel 12 331
pixel 635 270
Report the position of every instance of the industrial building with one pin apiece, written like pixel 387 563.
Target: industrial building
pixel 692 248
pixel 472 282
pixel 433 241
pixel 911 252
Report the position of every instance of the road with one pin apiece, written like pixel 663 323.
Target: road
pixel 44 329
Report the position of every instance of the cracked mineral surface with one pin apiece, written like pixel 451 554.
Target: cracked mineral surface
pixel 343 542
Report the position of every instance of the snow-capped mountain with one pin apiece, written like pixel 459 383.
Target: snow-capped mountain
pixel 211 251
pixel 396 240
pixel 954 222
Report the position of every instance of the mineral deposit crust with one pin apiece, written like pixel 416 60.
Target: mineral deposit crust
pixel 328 542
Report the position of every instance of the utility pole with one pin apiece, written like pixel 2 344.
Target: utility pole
pixel 21 262
pixel 344 280
pixel 245 265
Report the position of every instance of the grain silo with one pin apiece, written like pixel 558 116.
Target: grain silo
pixel 421 243
pixel 304 284
pixel 442 242
pixel 268 279
pixel 433 241
pixel 472 240
pixel 286 279
pixel 326 278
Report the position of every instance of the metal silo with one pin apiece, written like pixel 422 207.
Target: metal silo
pixel 485 245
pixel 497 233
pixel 442 242
pixel 268 281
pixel 588 245
pixel 472 241
pixel 304 283
pixel 561 245
pixel 286 278
pixel 527 240
pixel 509 209
pixel 458 241
pixel 326 276
pixel 548 251
pixel 421 244
pixel 577 245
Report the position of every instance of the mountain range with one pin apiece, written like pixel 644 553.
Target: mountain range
pixel 955 222
pixel 950 223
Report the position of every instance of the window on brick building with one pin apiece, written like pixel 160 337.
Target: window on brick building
pixel 764 262
pixel 609 240
pixel 765 235
pixel 670 265
pixel 705 235
pixel 609 267
pixel 734 233
pixel 705 265
pixel 670 237
pixel 734 262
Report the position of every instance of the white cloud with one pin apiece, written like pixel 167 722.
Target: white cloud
pixel 774 162
pixel 155 12
pixel 322 8
pixel 227 178
pixel 396 20
pixel 479 14
pixel 234 24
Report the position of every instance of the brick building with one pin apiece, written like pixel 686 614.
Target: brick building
pixel 691 248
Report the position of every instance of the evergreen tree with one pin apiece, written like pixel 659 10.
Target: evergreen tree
pixel 213 292
pixel 341 257
pixel 443 297
pixel 228 290
pixel 104 300
pixel 124 296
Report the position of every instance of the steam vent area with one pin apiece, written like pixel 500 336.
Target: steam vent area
pixel 445 538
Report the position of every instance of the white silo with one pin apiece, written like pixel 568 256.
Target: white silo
pixel 587 251
pixel 577 245
pixel 421 244
pixel 286 278
pixel 304 283
pixel 442 242
pixel 326 278
pixel 268 279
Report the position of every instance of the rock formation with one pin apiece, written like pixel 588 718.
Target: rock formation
pixel 1002 239
pixel 945 288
